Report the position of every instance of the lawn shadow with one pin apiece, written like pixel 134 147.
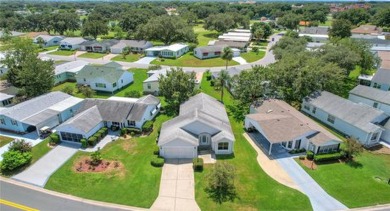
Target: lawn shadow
pixel 225 157
pixel 354 164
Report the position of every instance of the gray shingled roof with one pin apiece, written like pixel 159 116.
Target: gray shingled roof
pixel 73 40
pixel 231 44
pixel 372 93
pixel 232 71
pixel 73 67
pixel 315 30
pixel 41 117
pixel 382 76
pixel 211 48
pixel 84 121
pixel 149 99
pixel 200 107
pixel 107 43
pixel 109 74
pixel 356 114
pixel 131 43
pixel 34 106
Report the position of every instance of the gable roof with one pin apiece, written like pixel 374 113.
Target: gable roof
pixel 231 43
pixel 131 43
pixel 173 47
pixel 385 57
pixel 72 67
pixel 356 114
pixel 73 40
pixel 282 122
pixel 367 29
pixel 47 38
pixel 232 71
pixel 56 101
pixel 211 48
pixel 382 76
pixel 106 43
pixel 84 121
pixel 371 93
pixel 156 75
pixel 315 30
pixel 109 74
pixel 200 107
pixel 149 99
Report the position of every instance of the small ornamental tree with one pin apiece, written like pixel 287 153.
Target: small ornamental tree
pixel 126 51
pixel 96 157
pixel 20 145
pixel 220 181
pixel 352 148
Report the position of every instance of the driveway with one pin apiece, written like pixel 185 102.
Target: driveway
pixel 40 172
pixel 145 60
pixel 177 187
pixel 240 60
pixel 319 199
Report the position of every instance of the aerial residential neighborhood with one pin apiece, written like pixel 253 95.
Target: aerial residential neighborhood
pixel 194 105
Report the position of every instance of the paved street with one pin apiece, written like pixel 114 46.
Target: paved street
pixel 40 172
pixel 44 200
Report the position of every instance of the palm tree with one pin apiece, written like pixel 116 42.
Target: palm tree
pixel 40 42
pixel 227 55
pixel 126 51
pixel 222 79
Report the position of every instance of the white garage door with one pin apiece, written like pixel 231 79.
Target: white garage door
pixel 179 152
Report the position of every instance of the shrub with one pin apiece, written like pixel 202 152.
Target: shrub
pixel 97 137
pixel 328 157
pixel 87 91
pixel 197 164
pixel 68 89
pixel 156 150
pixel 123 131
pixel 310 155
pixel 133 93
pixel 157 162
pixel 208 77
pixel 154 67
pixel 133 131
pixel 99 134
pixel 301 157
pixel 296 151
pixel 55 138
pixel 84 143
pixel 147 126
pixel 92 141
pixel 96 157
pixel 212 83
pixel 14 159
pixel 105 130
pixel 20 145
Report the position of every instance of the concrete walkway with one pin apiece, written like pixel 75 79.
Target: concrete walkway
pixel 40 172
pixel 177 187
pixel 271 167
pixel 319 199
pixel 240 60
pixel 110 137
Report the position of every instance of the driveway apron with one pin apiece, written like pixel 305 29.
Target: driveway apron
pixel 177 187
pixel 39 173
pixel 319 199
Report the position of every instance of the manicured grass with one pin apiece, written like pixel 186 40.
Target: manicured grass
pixel 188 60
pixel 204 36
pixel 48 48
pixel 256 190
pixel 137 185
pixel 5 140
pixel 252 56
pixel 362 184
pixel 139 76
pixel 92 55
pixel 62 53
pixel 328 22
pixel 40 150
pixel 129 58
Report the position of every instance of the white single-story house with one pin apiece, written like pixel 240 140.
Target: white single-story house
pixel 202 124
pixel 357 120
pixel 98 47
pixel 106 78
pixel 172 51
pixel 151 85
pixel 280 123
pixel 67 71
pixel 48 110
pixel 137 46
pixel 119 112
pixel 206 52
pixel 49 40
pixel 370 96
pixel 71 43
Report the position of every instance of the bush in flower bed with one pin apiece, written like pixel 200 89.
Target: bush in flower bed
pixel 147 126
pixel 328 157
pixel 54 139
pixel 84 143
pixel 157 162
pixel 310 155
pixel 296 151
pixel 197 164
pixel 92 141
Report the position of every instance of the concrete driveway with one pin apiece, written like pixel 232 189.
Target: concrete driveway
pixel 40 172
pixel 145 60
pixel 319 199
pixel 177 187
pixel 240 60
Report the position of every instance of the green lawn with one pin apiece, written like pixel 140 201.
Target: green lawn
pixel 139 76
pixel 252 56
pixel 256 190
pixel 204 36
pixel 188 60
pixel 129 58
pixel 5 140
pixel 137 185
pixel 356 186
pixel 62 53
pixel 328 22
pixel 92 55
pixel 47 48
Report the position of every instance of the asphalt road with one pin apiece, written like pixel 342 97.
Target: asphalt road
pixel 40 199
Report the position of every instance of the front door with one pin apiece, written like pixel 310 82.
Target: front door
pixel 297 144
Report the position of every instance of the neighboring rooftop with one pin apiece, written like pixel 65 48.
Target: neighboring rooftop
pixel 315 30
pixel 372 93
pixel 231 44
pixel 84 121
pixel 385 57
pixel 173 47
pixel 212 48
pixel 367 29
pixel 357 114
pixel 109 73
pixel 73 40
pixel 131 43
pixel 232 71
pixel 46 37
pixel 72 67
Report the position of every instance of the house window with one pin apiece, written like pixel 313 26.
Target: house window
pixel 217 53
pixel 378 86
pixel 314 110
pixel 331 118
pixel 122 81
pixel 375 105
pixel 2 121
pixel 85 80
pixel 290 144
pixel 204 138
pixel 114 85
pixel 13 122
pixel 205 54
pixel 306 107
pixel 131 123
pixel 223 146
pixel 149 86
pixel 374 137
pixel 100 85
pixel 71 137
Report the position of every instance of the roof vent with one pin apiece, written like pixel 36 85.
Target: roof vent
pixel 301 124
pixel 269 111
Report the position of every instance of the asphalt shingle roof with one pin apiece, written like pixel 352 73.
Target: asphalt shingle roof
pixel 108 73
pixel 372 93
pixel 84 121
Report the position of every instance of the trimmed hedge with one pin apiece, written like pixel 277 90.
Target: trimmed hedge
pixel 123 132
pixel 147 126
pixel 197 164
pixel 296 151
pixel 84 143
pixel 54 138
pixel 134 130
pixel 92 141
pixel 328 157
pixel 156 150
pixel 157 162
pixel 309 155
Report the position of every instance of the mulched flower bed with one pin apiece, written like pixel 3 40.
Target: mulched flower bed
pixel 85 165
pixel 309 163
